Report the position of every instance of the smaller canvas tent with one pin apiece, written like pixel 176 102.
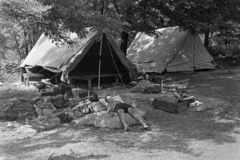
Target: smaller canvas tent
pixel 173 50
pixel 93 55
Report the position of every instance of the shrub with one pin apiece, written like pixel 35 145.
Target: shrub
pixel 226 55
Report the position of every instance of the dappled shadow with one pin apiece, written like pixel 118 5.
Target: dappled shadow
pixel 169 132
pixel 212 84
pixel 77 157
pixel 11 93
pixel 153 52
pixel 193 125
pixel 48 53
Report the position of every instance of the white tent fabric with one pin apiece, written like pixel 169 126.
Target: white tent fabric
pixel 46 53
pixel 65 58
pixel 173 50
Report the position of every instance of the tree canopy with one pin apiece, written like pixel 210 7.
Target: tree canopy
pixel 23 21
pixel 19 21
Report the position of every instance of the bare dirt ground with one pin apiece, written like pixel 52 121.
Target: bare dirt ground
pixel 186 136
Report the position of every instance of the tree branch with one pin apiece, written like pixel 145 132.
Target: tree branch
pixel 116 7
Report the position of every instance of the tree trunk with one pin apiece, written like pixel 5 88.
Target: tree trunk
pixel 17 47
pixel 206 40
pixel 26 51
pixel 21 73
pixel 103 7
pixel 26 43
pixel 124 42
pixel 226 41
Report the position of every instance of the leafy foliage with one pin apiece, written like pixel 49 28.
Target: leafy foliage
pixel 194 15
pixel 20 24
pixel 228 31
pixel 226 55
pixel 76 16
pixel 22 21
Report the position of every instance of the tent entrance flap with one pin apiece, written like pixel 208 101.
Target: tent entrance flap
pixel 101 57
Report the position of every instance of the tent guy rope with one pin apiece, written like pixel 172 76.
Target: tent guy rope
pixel 116 66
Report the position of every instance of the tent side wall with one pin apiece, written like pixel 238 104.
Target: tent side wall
pixel 173 50
pixel 154 53
pixel 192 56
pixel 203 60
pixel 47 54
pixel 73 61
pixel 129 66
pixel 184 58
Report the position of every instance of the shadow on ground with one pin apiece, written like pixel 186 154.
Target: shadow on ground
pixel 168 131
pixel 77 157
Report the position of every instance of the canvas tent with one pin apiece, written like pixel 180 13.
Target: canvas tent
pixel 173 50
pixel 93 55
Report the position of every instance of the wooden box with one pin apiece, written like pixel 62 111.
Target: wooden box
pixel 170 105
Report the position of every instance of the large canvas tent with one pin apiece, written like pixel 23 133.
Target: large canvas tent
pixel 173 50
pixel 96 54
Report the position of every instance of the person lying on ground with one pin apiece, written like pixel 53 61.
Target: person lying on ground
pixel 53 103
pixel 51 121
pixel 184 96
pixel 93 104
pixel 122 108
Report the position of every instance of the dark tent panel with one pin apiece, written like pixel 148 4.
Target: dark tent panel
pixel 110 62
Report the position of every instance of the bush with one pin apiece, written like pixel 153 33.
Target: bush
pixel 226 55
pixel 5 77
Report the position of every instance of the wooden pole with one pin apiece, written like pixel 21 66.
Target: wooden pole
pixel 99 67
pixel 194 48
